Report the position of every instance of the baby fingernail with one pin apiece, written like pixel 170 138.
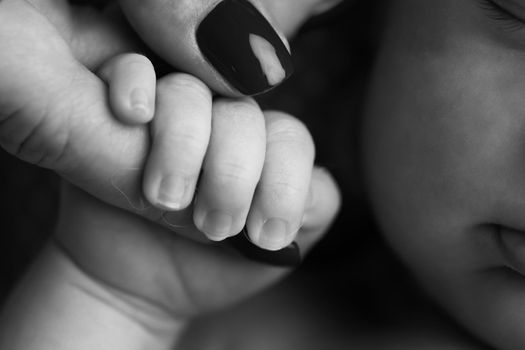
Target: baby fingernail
pixel 243 47
pixel 217 225
pixel 273 234
pixel 172 192
pixel 140 101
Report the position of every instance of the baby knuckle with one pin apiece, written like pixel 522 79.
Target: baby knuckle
pixel 287 189
pixel 288 130
pixel 178 82
pixel 284 192
pixel 237 108
pixel 231 172
pixel 191 142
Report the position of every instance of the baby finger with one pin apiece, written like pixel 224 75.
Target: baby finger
pixel 232 168
pixel 180 134
pixel 277 208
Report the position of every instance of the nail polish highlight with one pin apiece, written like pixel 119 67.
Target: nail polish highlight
pixel 270 64
pixel 243 47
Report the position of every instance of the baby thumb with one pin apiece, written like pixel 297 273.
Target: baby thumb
pixel 229 44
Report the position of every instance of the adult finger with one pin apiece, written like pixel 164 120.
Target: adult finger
pixel 235 46
pixel 232 168
pixel 180 133
pixel 54 112
pixel 277 208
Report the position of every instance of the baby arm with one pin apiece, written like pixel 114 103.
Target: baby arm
pixel 59 306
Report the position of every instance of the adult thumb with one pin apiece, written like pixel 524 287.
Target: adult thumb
pixel 235 46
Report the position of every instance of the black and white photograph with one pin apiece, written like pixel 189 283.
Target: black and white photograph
pixel 262 174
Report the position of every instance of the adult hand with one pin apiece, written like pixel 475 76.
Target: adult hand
pixel 237 47
pixel 53 109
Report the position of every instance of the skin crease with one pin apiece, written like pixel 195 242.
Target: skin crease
pixel 444 150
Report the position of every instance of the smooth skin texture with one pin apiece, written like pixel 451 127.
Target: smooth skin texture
pixel 252 168
pixel 131 78
pixel 54 113
pixel 443 149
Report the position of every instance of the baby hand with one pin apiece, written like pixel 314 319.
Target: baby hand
pixel 252 169
pixel 256 169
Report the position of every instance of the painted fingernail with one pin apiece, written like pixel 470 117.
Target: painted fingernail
pixel 140 102
pixel 243 47
pixel 172 192
pixel 217 225
pixel 289 256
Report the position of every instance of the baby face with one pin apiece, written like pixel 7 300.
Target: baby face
pixel 444 150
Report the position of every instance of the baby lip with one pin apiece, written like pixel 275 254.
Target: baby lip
pixel 512 244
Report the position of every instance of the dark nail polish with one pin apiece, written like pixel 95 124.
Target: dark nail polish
pixel 289 256
pixel 243 47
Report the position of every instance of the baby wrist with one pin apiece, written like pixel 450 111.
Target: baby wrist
pixel 59 307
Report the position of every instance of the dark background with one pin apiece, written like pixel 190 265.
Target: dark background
pixel 333 56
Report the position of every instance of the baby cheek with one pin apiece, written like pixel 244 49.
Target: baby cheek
pixel 485 156
pixel 444 152
pixel 466 136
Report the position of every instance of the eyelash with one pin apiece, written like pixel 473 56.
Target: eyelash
pixel 498 13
